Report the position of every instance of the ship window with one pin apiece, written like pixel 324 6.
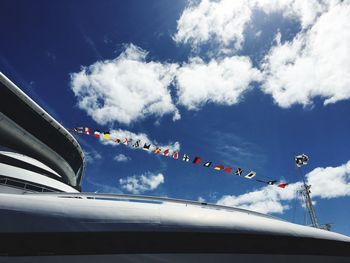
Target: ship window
pixel 15 183
pixel 27 166
pixel 33 188
pixel 26 185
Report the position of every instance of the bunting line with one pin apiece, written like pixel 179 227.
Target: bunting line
pixel 238 171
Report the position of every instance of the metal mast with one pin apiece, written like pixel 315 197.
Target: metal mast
pixel 301 160
pixel 308 204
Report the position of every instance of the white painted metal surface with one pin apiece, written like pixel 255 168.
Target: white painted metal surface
pixel 29 160
pixel 116 212
pixel 29 176
pixel 11 132
pixel 40 111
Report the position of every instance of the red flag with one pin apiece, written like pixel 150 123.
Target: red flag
pixel 176 155
pixel 87 131
pixel 97 134
pixel 197 160
pixel 228 170
pixel 282 185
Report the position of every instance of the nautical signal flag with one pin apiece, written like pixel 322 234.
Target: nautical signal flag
pixel 250 175
pixel 78 129
pixel 106 136
pixel 271 182
pixel 228 170
pixel 218 167
pixel 282 185
pixel 207 164
pixel 197 160
pixel 157 150
pixel 137 144
pixel 301 160
pixel 176 155
pixel 87 131
pixel 186 158
pixel 146 146
pixel 97 134
pixel 239 171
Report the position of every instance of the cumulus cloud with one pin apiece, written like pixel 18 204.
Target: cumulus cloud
pixel 268 199
pixel 316 63
pixel 121 158
pixel 225 21
pixel 122 134
pixel 92 156
pixel 128 88
pixel 219 81
pixel 140 183
pixel 329 182
pixel 125 89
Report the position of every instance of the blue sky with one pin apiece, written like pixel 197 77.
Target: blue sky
pixel 243 83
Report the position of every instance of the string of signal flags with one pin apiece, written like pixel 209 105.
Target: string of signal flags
pixel 106 136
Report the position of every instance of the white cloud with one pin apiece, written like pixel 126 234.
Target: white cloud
pixel 305 12
pixel 92 156
pixel 125 89
pixel 316 63
pixel 121 158
pixel 140 183
pixel 265 200
pixel 128 88
pixel 225 21
pixel 122 134
pixel 201 199
pixel 99 187
pixel 329 182
pixel 219 81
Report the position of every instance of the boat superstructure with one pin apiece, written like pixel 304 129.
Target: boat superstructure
pixel 44 215
pixel 35 145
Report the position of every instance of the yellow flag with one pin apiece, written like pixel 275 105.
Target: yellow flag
pixel 106 136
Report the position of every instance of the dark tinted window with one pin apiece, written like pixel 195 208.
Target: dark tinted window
pixel 15 183
pixel 33 188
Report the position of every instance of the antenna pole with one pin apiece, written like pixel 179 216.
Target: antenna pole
pixel 306 195
pixel 309 205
